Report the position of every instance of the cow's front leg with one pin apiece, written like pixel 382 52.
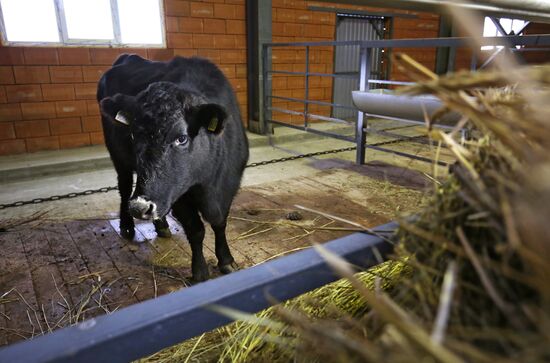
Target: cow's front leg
pixel 226 262
pixel 192 224
pixel 162 228
pixel 125 179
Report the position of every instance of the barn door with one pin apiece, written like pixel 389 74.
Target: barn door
pixel 346 58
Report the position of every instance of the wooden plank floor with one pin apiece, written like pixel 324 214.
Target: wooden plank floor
pixel 59 272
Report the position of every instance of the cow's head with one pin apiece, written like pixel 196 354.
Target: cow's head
pixel 172 132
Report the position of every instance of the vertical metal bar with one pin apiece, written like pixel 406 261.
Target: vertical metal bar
pixel 364 74
pixel 499 26
pixel 306 96
pixel 266 114
pixel 61 21
pixel 473 61
pixel 116 22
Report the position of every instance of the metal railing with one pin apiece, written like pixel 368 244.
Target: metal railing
pixel 363 80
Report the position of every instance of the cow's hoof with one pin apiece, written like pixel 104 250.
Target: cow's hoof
pixel 230 267
pixel 200 277
pixel 164 232
pixel 127 233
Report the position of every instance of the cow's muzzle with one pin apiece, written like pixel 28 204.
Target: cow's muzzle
pixel 142 208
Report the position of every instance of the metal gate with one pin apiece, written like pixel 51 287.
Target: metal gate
pixel 346 59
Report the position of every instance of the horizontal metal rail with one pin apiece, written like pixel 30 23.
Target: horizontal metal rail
pixel 147 327
pixel 312 102
pixel 314 131
pixel 527 40
pixel 311 115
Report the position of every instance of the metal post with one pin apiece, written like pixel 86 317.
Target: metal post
pixel 360 132
pixel 266 107
pixel 306 96
pixel 473 61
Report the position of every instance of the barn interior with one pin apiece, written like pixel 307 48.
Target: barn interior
pixel 63 260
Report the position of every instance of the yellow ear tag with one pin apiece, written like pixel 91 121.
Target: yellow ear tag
pixel 213 125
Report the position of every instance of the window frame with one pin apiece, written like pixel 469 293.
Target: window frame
pixel 65 41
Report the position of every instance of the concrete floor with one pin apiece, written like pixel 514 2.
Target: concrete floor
pixel 37 175
pixel 65 261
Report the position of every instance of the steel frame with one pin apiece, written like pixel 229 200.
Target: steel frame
pixel 366 47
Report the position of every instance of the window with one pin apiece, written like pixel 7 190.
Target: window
pixel 510 26
pixel 81 22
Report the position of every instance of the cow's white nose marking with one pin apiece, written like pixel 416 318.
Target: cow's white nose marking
pixel 143 208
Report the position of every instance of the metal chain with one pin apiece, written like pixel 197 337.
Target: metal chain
pixel 251 165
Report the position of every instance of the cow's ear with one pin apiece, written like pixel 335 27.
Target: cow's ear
pixel 210 116
pixel 119 108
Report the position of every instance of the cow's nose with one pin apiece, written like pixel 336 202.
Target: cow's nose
pixel 142 208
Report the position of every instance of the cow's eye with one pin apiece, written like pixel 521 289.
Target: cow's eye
pixel 182 140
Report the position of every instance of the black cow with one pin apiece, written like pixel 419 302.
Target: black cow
pixel 177 125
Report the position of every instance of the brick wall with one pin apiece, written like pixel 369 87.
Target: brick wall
pixel 293 22
pixel 47 95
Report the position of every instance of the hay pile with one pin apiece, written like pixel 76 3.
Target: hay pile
pixel 470 281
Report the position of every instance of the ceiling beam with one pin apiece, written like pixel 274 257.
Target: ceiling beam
pixel 533 10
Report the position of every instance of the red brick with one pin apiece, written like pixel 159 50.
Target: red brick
pixel 211 54
pixel 179 40
pixel 3 97
pixel 24 93
pixel 225 41
pixel 41 56
pixel 185 52
pixel 7 131
pixel 76 140
pixel 34 128
pixel 91 123
pixel 92 107
pixel 42 143
pixel 190 25
pixel 284 16
pixel 71 108
pixel 202 10
pixel 233 56
pixel 93 73
pixel 66 74
pixel 96 138
pixel 177 7
pixel 74 56
pixel 107 56
pixel 11 56
pixel 58 92
pixel 241 70
pixel 238 84
pixel 312 30
pixel 327 31
pixel 171 23
pixel 240 42
pixel 65 126
pixel 10 112
pixel 12 147
pixel 6 75
pixel 303 16
pixel 235 26
pixel 228 70
pixel 227 11
pixel 203 41
pixel 214 26
pixel 85 91
pixel 38 110
pixel 160 54
pixel 31 74
pixel 278 29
